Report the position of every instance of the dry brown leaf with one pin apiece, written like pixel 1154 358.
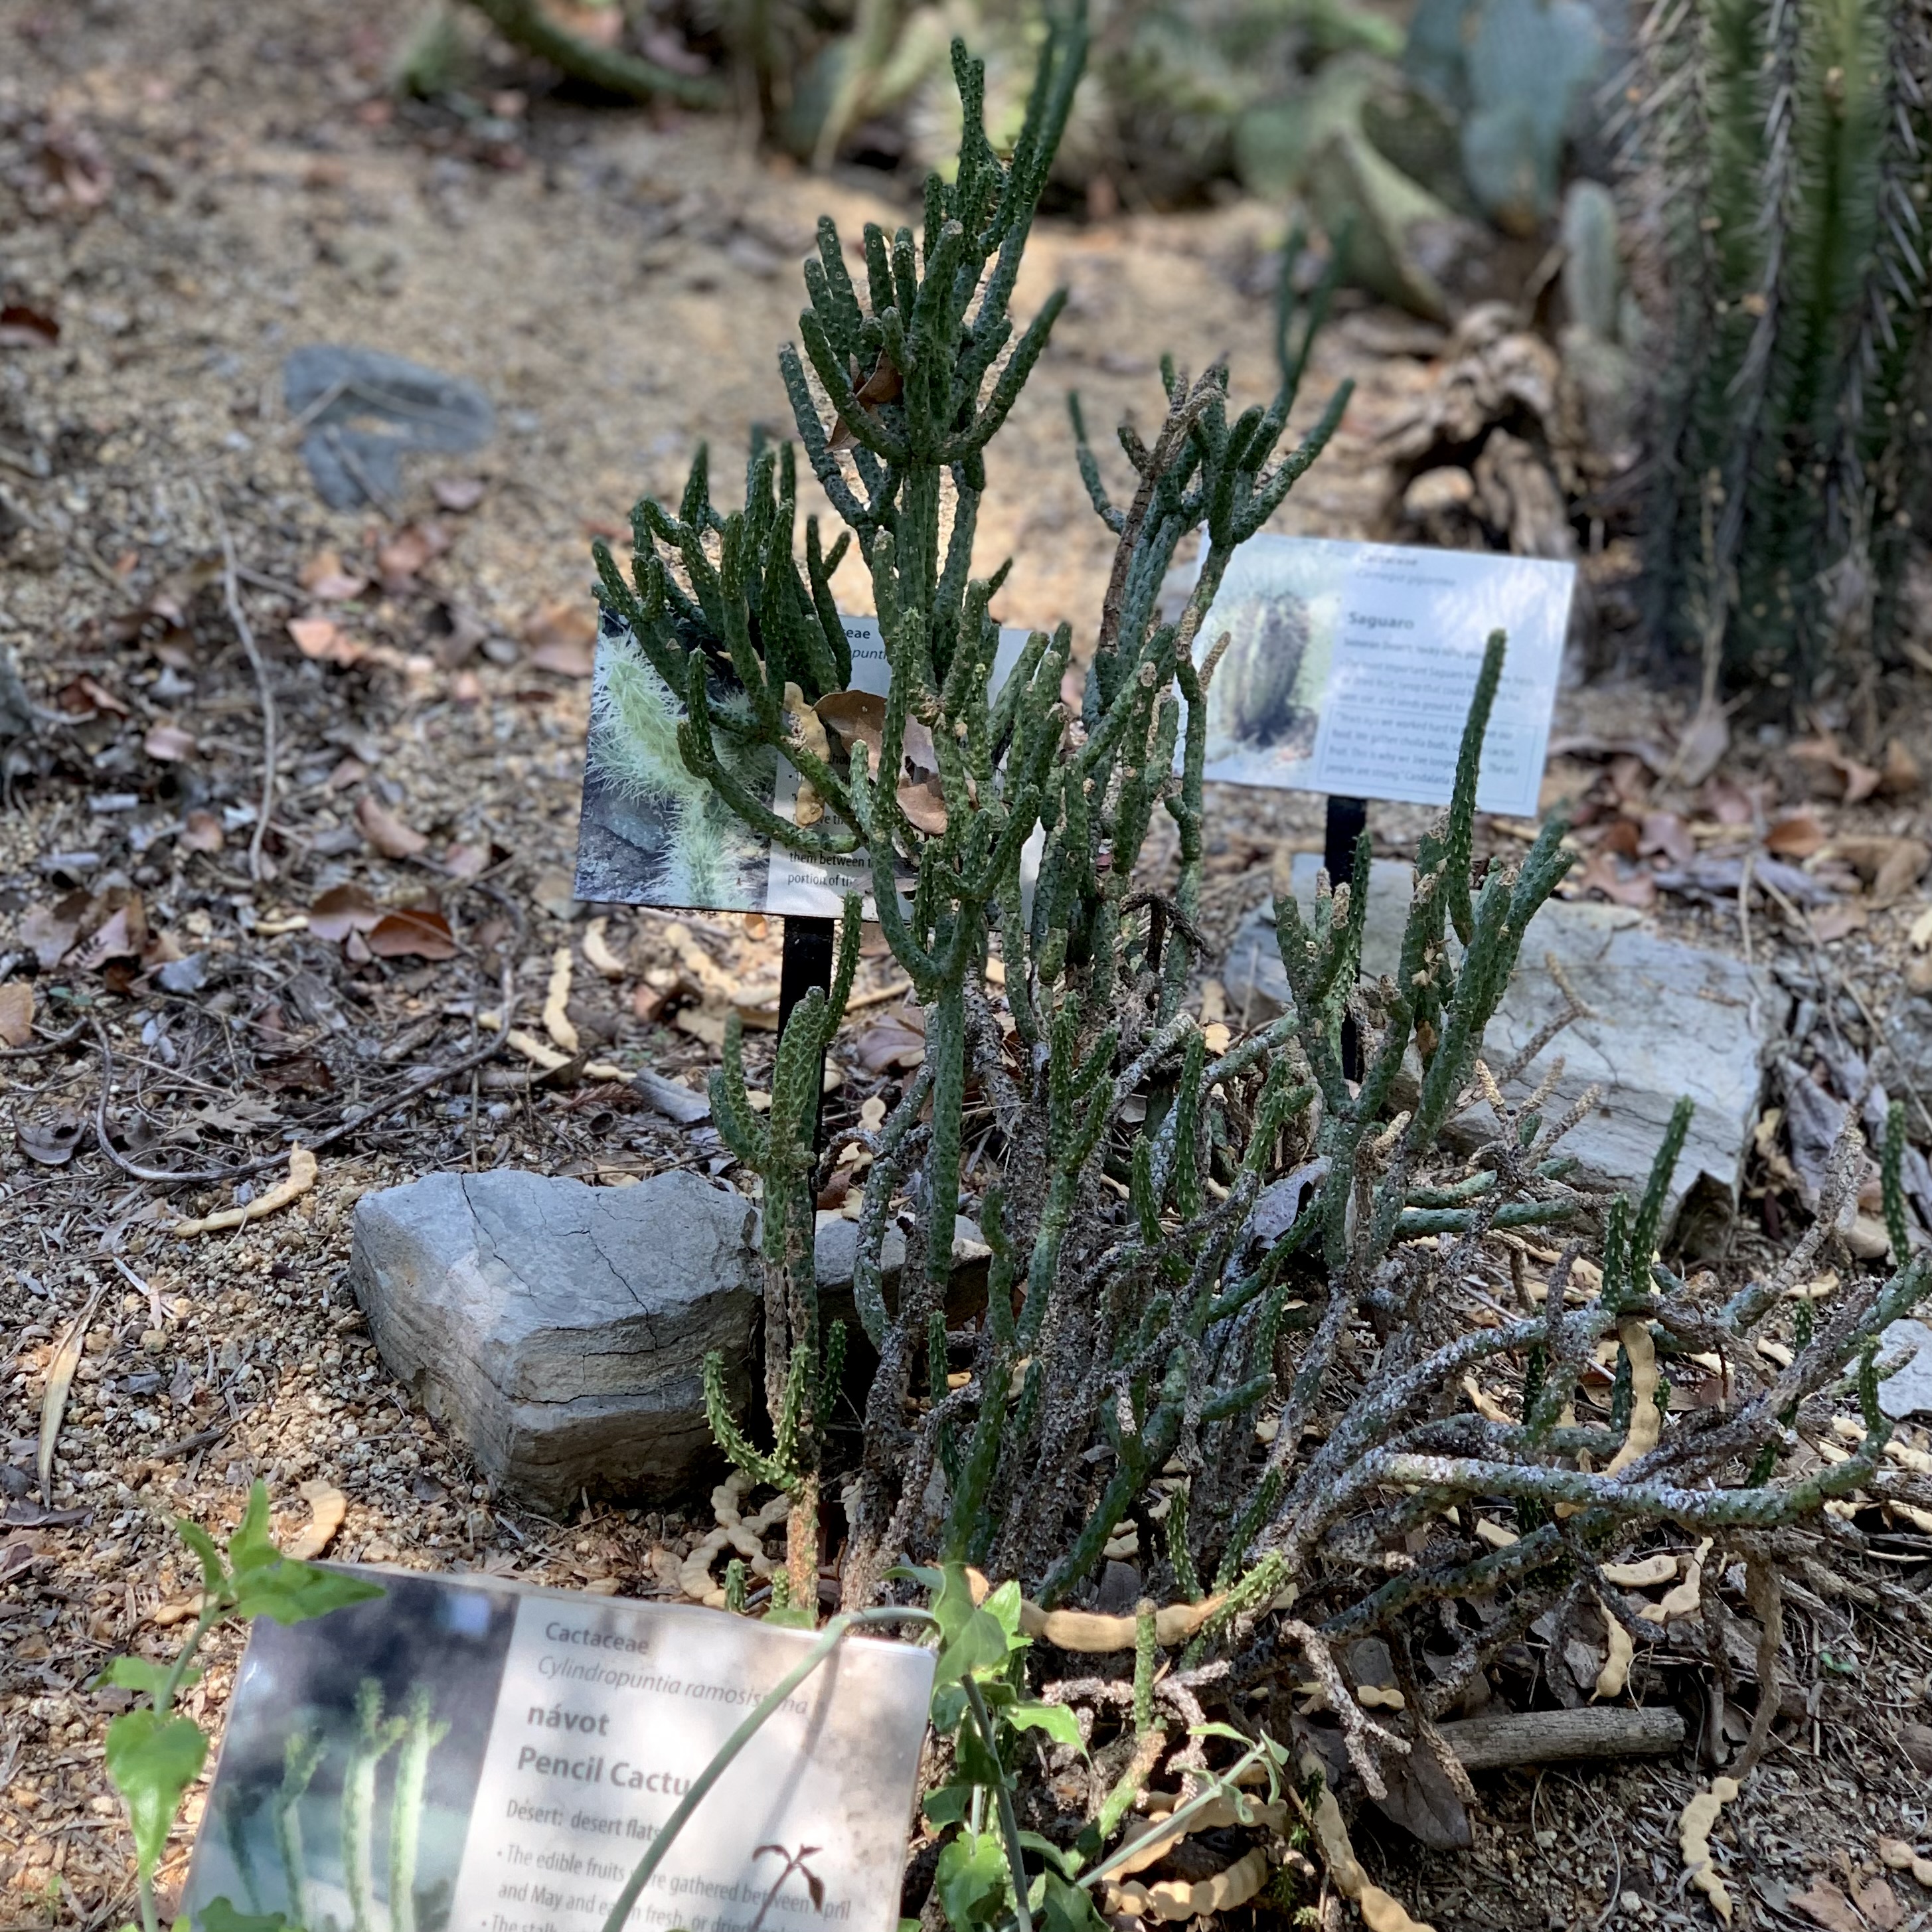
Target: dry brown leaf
pixel 202 832
pixel 404 557
pixel 385 832
pixel 1796 836
pixel 1890 867
pixel 323 640
pixel 1665 832
pixel 1494 1534
pixel 1485 1404
pixel 564 658
pixel 325 579
pixel 459 493
pixel 1880 1903
pixel 301 1178
pixel 1899 775
pixel 859 717
pixel 890 1042
pixel 60 1378
pixel 1693 1840
pixel 413 932
pixel 169 742
pixel 924 804
pixel 597 953
pixel 466 862
pixel 1601 874
pixel 555 1017
pixel 1836 920
pixel 51 1143
pixel 341 911
pixel 16 1013
pixel 1701 749
pixel 1833 773
pixel 327 1507
pixel 1824 1904
pixel 123 934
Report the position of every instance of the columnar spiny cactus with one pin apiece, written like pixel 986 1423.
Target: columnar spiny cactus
pixel 1784 165
pixel 1144 1359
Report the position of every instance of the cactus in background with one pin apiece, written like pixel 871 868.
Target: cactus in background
pixel 1516 75
pixel 1782 165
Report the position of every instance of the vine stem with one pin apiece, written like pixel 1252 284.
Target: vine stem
pixel 834 1634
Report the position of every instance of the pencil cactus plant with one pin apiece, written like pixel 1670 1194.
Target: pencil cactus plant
pixel 1785 160
pixel 1155 1353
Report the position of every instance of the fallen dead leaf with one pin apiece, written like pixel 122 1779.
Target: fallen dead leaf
pixel 385 832
pixel 562 639
pixel 459 493
pixel 325 580
pixel 52 930
pixel 924 804
pixel 50 1143
pixel 1824 1904
pixel 323 640
pixel 1899 775
pixel 123 934
pixel 302 1171
pixel 1701 749
pixel 404 557
pixel 1880 1903
pixel 16 1013
pixel 169 742
pixel 1832 772
pixel 60 1378
pixel 888 1042
pixel 202 832
pixel 1796 836
pixel 1834 921
pixel 413 932
pixel 466 862
pixel 341 911
pixel 1890 867
pixel 1601 874
pixel 327 1507
pixel 565 658
pixel 1665 832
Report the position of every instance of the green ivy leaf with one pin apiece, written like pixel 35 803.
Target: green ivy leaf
pixel 971 1880
pixel 152 1760
pixel 219 1914
pixel 1066 1908
pixel 949 1804
pixel 977 1765
pixel 292 1592
pixel 1056 1721
pixel 972 1639
pixel 251 1547
pixel 139 1673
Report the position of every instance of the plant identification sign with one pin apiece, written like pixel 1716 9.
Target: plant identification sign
pixel 652 834
pixel 1350 666
pixel 468 1755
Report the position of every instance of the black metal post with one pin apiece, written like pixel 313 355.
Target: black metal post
pixel 806 962
pixel 1348 820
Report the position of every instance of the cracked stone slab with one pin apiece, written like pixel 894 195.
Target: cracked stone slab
pixel 560 1329
pixel 1666 1018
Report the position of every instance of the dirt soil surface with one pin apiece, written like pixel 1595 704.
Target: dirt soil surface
pixel 188 192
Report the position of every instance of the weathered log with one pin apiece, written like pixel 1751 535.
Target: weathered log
pixel 1542 1737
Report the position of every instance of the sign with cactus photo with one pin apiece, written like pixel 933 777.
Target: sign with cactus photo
pixel 653 832
pixel 476 1756
pixel 1349 667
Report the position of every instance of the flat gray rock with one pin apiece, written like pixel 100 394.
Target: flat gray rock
pixel 836 1256
pixel 561 1330
pixel 1909 1391
pixel 1667 1019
